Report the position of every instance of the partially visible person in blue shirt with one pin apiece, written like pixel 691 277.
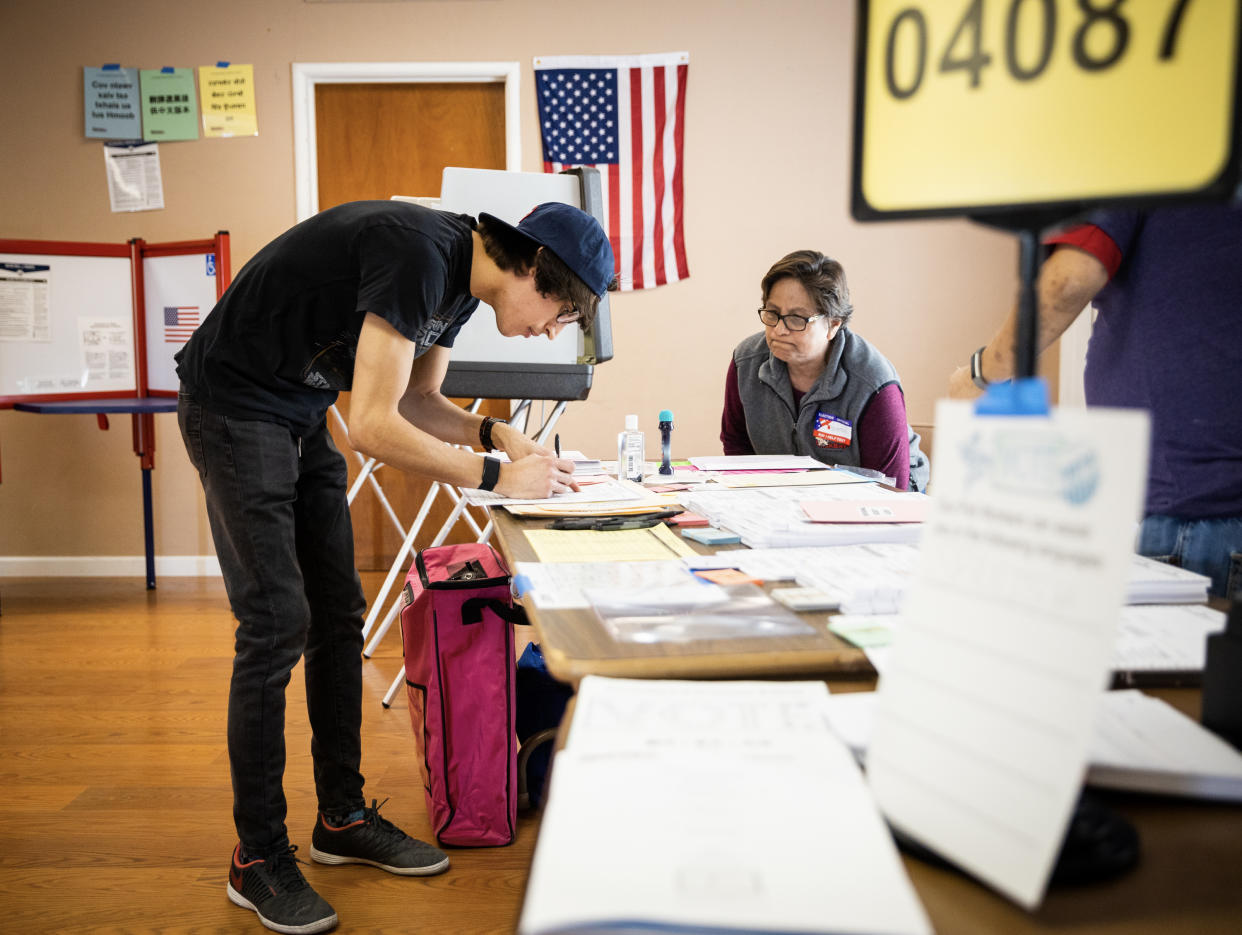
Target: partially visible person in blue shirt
pixel 1167 285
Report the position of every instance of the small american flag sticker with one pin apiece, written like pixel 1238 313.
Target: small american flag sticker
pixel 179 323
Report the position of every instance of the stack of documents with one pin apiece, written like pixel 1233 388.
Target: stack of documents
pixel 652 819
pixel 758 463
pixel 1140 744
pixel 1163 641
pixel 874 579
pixel 773 517
pixel 583 464
pixel 860 579
pixel 1157 644
pixel 608 489
pixel 693 610
pixel 560 585
pixel 1153 582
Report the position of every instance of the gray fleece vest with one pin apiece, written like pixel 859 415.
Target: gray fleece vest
pixel 855 372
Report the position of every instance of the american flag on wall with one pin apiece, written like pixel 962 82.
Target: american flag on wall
pixel 179 323
pixel 624 115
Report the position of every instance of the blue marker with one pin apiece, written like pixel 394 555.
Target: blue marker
pixel 666 441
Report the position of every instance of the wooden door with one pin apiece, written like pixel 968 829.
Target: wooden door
pixel 375 141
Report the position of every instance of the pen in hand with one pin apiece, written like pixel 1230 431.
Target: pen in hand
pixel 556 443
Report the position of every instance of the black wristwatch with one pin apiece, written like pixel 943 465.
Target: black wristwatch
pixel 485 432
pixel 976 370
pixel 491 474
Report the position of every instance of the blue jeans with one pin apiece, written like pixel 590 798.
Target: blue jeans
pixel 1212 547
pixel 281 526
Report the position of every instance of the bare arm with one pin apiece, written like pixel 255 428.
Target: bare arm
pixel 398 415
pixel 1068 280
pixel 425 406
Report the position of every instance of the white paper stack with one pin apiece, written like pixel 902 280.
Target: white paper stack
pixel 772 517
pixel 712 807
pixel 874 578
pixel 858 578
pixel 1153 582
pixel 1165 638
pixel 1140 744
pixel 1156 643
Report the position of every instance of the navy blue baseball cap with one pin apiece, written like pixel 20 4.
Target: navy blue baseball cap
pixel 574 236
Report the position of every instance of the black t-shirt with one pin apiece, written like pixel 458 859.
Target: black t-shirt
pixel 281 342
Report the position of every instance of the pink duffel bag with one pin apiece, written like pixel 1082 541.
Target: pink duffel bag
pixel 457 629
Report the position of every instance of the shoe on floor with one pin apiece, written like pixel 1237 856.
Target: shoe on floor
pixel 369 838
pixel 274 888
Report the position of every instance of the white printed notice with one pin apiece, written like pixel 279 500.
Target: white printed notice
pixel 23 302
pixel 987 704
pixel 134 181
pixel 107 353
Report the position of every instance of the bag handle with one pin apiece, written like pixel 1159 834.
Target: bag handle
pixel 472 610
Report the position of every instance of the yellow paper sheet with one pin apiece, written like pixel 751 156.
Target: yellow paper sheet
pixel 226 94
pixel 615 545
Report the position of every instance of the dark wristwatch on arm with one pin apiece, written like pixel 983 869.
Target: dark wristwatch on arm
pixel 485 432
pixel 491 474
pixel 976 369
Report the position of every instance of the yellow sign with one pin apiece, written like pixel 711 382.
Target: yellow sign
pixel 984 104
pixel 226 92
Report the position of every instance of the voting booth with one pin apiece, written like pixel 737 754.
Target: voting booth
pixel 92 328
pixel 485 363
pixel 93 321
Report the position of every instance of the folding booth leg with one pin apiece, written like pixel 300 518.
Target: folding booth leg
pixel 399 562
pixel 393 688
pixel 369 651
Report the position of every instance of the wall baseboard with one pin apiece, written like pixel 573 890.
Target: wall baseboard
pixel 107 566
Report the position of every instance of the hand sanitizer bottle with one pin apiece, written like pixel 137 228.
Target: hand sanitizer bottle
pixel 630 451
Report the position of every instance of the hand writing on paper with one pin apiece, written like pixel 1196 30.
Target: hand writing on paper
pixel 536 476
pixel 518 447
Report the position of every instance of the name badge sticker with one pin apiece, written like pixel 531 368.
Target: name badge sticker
pixel 832 431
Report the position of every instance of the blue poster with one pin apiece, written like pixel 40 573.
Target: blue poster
pixel 110 96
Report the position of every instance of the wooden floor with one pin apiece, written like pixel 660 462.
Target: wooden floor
pixel 115 803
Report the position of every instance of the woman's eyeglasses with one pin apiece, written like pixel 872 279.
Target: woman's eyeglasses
pixel 771 317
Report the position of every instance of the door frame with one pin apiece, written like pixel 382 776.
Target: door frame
pixel 306 75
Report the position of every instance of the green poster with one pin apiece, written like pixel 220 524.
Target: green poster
pixel 169 106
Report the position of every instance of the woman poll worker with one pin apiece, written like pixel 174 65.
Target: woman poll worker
pixel 808 385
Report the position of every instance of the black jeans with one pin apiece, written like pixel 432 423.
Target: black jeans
pixel 282 532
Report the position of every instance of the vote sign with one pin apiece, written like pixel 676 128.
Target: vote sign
pixel 977 106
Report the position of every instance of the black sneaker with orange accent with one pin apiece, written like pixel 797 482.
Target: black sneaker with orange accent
pixel 373 839
pixel 274 887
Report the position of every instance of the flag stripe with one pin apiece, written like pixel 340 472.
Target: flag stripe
pixel 637 133
pixel 625 189
pixel 648 193
pixel 612 206
pixel 657 170
pixel 679 240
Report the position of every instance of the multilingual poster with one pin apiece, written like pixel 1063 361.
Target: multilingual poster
pixel 110 98
pixel 227 95
pixel 169 105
